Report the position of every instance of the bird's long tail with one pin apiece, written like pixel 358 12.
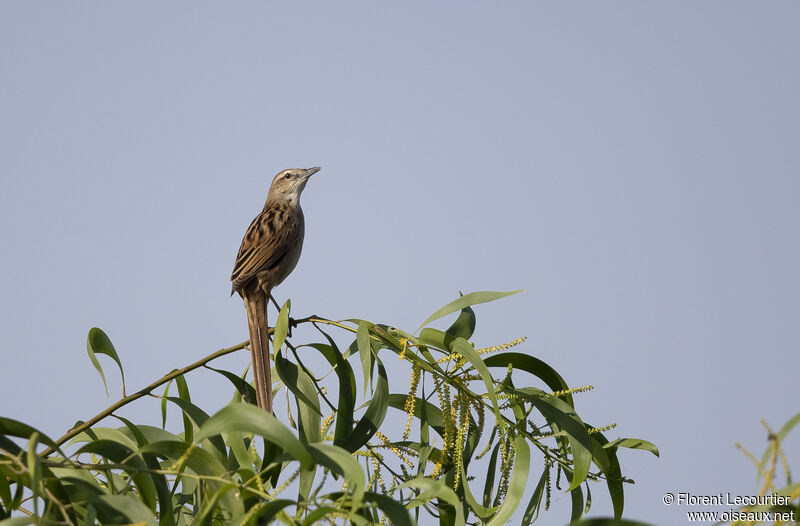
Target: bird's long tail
pixel 256 306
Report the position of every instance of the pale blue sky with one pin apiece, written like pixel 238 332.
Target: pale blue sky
pixel 634 165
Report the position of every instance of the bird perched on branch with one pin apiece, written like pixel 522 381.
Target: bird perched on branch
pixel 269 252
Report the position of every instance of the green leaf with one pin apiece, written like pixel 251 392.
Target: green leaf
pixel 435 338
pixel 464 325
pixel 517 483
pixel 243 386
pixel 481 511
pixel 130 507
pixel 198 417
pixel 282 326
pixel 613 474
pixel 164 405
pixel 634 443
pixel 249 418
pixel 562 416
pixel 159 481
pixel 315 516
pixel 532 511
pixel 269 510
pixel 34 469
pixel 533 366
pixel 134 431
pixel 298 382
pixel 434 489
pixel 208 507
pixel 119 449
pixel 423 410
pixel 202 463
pixel 347 389
pixel 397 513
pixel 576 496
pixel 465 349
pixel 342 462
pixel 472 298
pixel 491 471
pixel 373 417
pixel 183 392
pixel 18 521
pixel 364 352
pixel 98 343
pixel 15 428
pixel 107 433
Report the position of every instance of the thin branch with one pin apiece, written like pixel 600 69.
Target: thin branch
pixel 139 394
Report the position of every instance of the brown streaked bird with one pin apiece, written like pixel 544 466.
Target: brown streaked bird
pixel 269 252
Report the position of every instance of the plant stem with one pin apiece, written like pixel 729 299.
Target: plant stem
pixel 143 392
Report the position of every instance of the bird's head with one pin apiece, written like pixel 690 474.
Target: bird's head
pixel 288 184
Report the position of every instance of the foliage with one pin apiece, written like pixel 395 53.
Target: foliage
pixel 473 424
pixel 777 502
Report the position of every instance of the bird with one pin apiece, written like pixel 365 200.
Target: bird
pixel 269 252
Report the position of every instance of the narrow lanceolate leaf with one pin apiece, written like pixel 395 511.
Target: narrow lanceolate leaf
pixel 15 428
pixel 464 325
pixel 613 474
pixel 562 416
pixel 342 462
pixel 373 417
pixel 298 382
pixel 434 489
pixel 465 301
pixel 347 389
pixel 364 352
pixel 517 484
pixel 634 443
pixel 302 386
pixel 397 513
pixel 465 349
pixel 479 510
pixel 18 521
pixel 532 511
pixel 183 392
pixel 132 508
pixel 282 326
pixel 245 389
pixel 535 366
pixel 249 418
pixel 268 511
pixel 34 469
pixel 99 343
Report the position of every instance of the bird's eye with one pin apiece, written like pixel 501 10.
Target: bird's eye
pixel 287 176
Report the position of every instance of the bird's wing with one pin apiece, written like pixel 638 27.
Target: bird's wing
pixel 271 234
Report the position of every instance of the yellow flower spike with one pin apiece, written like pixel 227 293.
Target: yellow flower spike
pixel 461 437
pixel 286 483
pixel 443 392
pixel 573 390
pixel 437 470
pixel 400 453
pixel 327 423
pixel 179 463
pixel 601 429
pixel 512 343
pixel 410 403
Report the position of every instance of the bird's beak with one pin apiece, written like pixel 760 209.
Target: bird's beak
pixel 311 171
